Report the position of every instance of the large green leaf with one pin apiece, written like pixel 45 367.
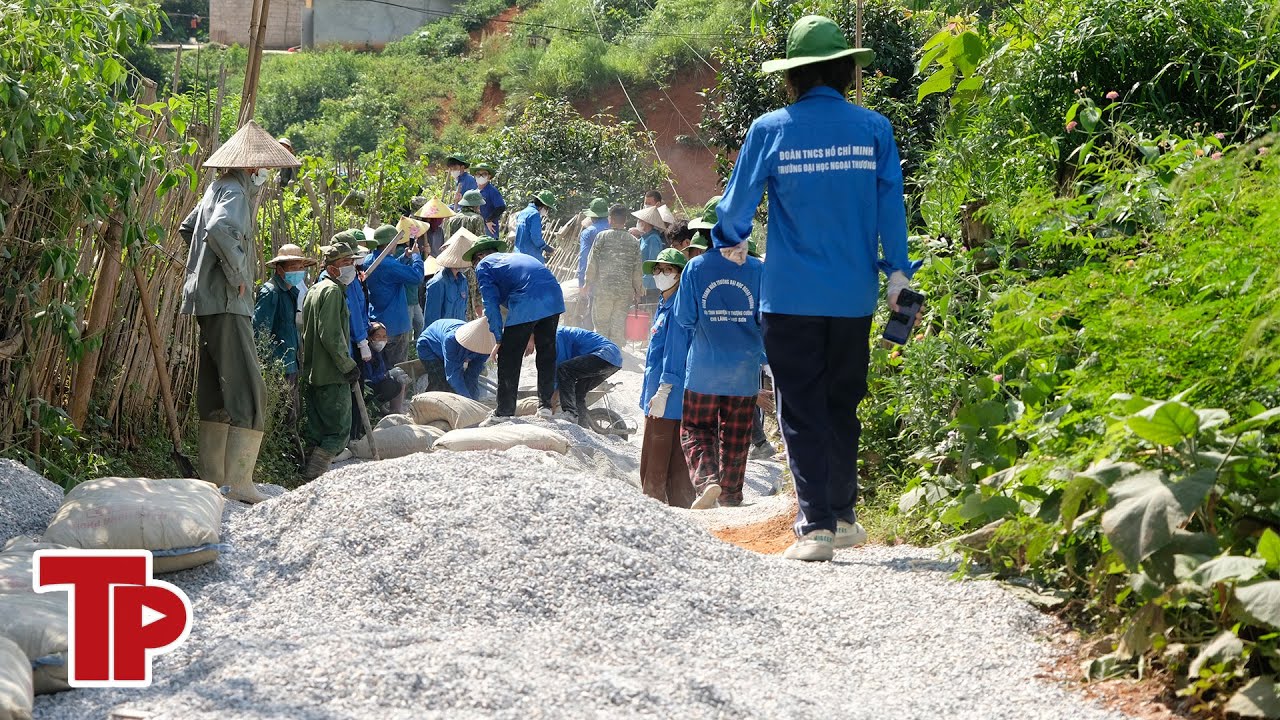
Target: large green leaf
pixel 1108 473
pixel 1262 419
pixel 938 82
pixel 1228 568
pixel 968 50
pixel 1269 548
pixel 1225 645
pixel 1256 699
pixel 1261 602
pixel 1166 423
pixel 1146 509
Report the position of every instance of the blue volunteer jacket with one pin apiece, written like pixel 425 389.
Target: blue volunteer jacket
pixel 359 309
pixel 462 368
pixel 386 291
pixel 586 239
pixel 659 346
pixel 521 284
pixel 834 181
pixel 715 343
pixel 492 208
pixel 529 232
pixel 374 371
pixel 466 181
pixel 650 245
pixel 572 342
pixel 446 297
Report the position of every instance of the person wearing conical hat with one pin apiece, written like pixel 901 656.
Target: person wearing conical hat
pixel 597 220
pixel 494 205
pixel 435 213
pixel 529 221
pixel 219 292
pixel 664 471
pixel 821 289
pixel 613 278
pixel 449 292
pixel 329 371
pixel 463 181
pixel 649 224
pixel 275 314
pixel 401 269
pixel 467 216
pixel 453 358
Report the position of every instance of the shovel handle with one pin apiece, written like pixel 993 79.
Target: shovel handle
pixel 162 370
pixel 364 418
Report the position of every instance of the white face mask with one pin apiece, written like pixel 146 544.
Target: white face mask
pixel 259 177
pixel 544 212
pixel 481 180
pixel 665 282
pixel 455 174
pixel 378 345
pixel 347 274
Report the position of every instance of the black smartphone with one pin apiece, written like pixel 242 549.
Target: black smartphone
pixel 902 322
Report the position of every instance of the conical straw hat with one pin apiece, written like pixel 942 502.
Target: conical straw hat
pixel 475 336
pixel 453 252
pixel 434 209
pixel 251 147
pixel 651 216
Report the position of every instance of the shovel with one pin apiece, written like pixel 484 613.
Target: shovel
pixel 364 418
pixel 185 467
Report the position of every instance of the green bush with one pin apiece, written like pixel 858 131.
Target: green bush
pixel 294 90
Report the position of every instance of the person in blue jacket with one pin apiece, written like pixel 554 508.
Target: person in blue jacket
pixel 533 302
pixel 357 305
pixel 649 229
pixel 386 285
pixel 378 374
pixel 457 166
pixel 450 365
pixel 821 284
pixel 583 360
pixel 664 472
pixel 529 221
pixel 597 220
pixel 494 205
pixel 449 291
pixel 716 351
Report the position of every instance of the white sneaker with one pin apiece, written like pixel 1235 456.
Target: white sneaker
pixel 544 413
pixel 495 420
pixel 707 499
pixel 817 546
pixel 850 535
pixel 346 454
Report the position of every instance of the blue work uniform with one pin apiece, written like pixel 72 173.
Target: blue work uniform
pixel 820 153
pixel 529 232
pixel 650 245
pixel 462 368
pixel 447 295
pixel 587 239
pixel 387 291
pixel 466 181
pixel 715 346
pixel 359 310
pixel 655 358
pixel 521 284
pixel 492 208
pixel 572 342
pixel 275 316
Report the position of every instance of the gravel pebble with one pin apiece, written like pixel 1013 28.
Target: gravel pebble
pixel 27 501
pixel 513 585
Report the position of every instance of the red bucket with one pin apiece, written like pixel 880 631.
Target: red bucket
pixel 638 322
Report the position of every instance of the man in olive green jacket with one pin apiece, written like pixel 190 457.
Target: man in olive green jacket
pixel 329 370
pixel 613 278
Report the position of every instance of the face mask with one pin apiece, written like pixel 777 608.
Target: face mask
pixel 295 277
pixel 455 174
pixel 665 282
pixel 347 274
pixel 259 177
pixel 378 345
pixel 544 212
pixel 481 180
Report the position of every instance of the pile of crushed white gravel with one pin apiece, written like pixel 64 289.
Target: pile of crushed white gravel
pixel 27 501
pixel 513 585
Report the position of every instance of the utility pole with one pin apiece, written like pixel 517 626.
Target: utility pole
pixel 257 38
pixel 857 69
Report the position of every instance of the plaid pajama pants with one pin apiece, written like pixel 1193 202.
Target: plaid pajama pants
pixel 716 435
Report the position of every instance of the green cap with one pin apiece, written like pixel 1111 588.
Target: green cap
pixel 816 39
pixel 484 246
pixel 350 237
pixel 385 234
pixel 337 251
pixel 471 198
pixel 546 198
pixel 458 158
pixel 708 218
pixel 599 208
pixel 751 248
pixel 482 165
pixel 669 256
pixel 701 240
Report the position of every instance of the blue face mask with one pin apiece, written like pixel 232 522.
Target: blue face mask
pixel 295 277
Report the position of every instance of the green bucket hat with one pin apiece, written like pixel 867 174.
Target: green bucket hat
pixel 337 251
pixel 471 198
pixel 599 208
pixel 351 237
pixel 816 39
pixel 708 218
pixel 546 198
pixel 701 240
pixel 669 256
pixel 458 158
pixel 384 234
pixel 484 246
pixel 482 165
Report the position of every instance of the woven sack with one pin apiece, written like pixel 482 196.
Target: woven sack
pixel 17 696
pixel 456 411
pixel 504 437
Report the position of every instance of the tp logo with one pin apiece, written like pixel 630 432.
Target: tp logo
pixel 118 617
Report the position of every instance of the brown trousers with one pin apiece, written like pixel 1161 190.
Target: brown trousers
pixel 664 473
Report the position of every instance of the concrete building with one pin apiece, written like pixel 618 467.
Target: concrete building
pixel 229 22
pixel 362 24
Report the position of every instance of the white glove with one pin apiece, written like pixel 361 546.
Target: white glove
pixel 736 254
pixel 897 283
pixel 365 353
pixel 658 403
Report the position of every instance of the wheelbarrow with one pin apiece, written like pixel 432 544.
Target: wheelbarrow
pixel 601 416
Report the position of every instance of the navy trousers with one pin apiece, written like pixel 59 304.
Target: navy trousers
pixel 820 372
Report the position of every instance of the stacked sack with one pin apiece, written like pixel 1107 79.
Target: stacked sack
pixel 33 632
